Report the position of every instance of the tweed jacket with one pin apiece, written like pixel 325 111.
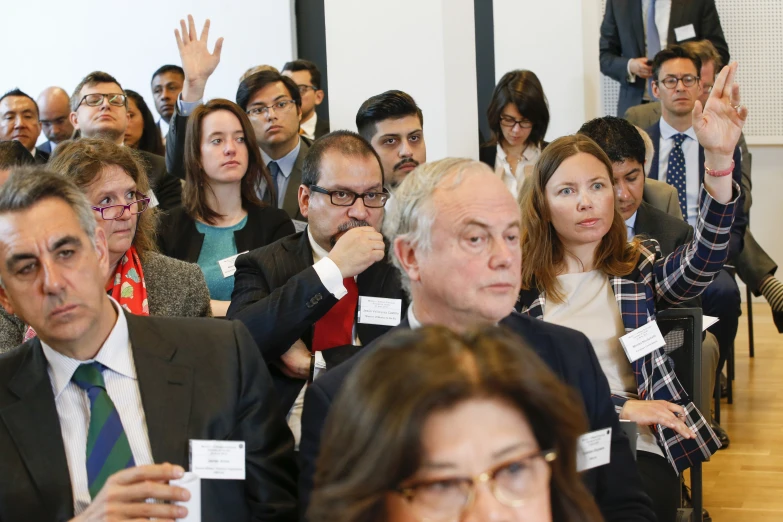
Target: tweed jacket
pixel 174 289
pixel 656 282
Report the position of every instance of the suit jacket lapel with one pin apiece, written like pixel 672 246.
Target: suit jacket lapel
pixel 34 426
pixel 166 391
pixel 290 198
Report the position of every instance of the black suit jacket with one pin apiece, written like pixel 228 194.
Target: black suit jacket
pixel 740 216
pixel 617 486
pixel 41 157
pixel 179 238
pixel 279 297
pixel 198 378
pixel 167 188
pixel 669 231
pixel 622 38
pixel 321 127
pixel 46 148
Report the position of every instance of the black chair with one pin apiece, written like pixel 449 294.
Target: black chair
pixel 687 364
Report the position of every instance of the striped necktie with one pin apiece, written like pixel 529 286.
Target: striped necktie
pixel 675 173
pixel 108 450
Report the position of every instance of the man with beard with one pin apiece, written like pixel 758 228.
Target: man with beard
pixel 393 124
pixel 299 296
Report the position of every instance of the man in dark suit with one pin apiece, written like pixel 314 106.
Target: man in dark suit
pixel 631 37
pixel 455 235
pixel 54 105
pixel 291 293
pixel 166 84
pixel 308 78
pixel 19 122
pixel 273 104
pixel 97 411
pixel 99 109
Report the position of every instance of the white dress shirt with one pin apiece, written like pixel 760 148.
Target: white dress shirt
pixel 163 125
pixel 308 127
pixel 73 404
pixel 630 226
pixel 690 148
pixel 514 180
pixel 286 164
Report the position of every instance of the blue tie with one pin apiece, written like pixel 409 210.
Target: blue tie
pixel 274 171
pixel 675 173
pixel 653 40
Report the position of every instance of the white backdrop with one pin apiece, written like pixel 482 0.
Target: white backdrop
pixel 57 43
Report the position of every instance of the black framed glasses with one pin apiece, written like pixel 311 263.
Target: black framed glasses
pixel 113 212
pixel 508 121
pixel 670 82
pixel 346 198
pixel 304 88
pixel 512 483
pixel 280 106
pixel 95 99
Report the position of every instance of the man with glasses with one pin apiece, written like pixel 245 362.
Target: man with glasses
pixel 272 103
pixel 308 79
pixel 99 109
pixel 19 122
pixel 299 296
pixel 55 106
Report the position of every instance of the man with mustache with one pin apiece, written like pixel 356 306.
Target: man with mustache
pixel 299 296
pixel 393 124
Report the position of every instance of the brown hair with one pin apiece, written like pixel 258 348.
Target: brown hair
pixel 706 52
pixel 372 438
pixel 83 160
pixel 196 181
pixel 543 252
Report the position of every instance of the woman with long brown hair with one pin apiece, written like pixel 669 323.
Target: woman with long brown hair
pixel 481 429
pixel 578 270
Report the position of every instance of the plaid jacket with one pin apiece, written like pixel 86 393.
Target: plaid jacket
pixel 655 282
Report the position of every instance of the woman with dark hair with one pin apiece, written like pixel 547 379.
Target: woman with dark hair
pixel 481 430
pixel 579 271
pixel 221 216
pixel 142 133
pixel 518 117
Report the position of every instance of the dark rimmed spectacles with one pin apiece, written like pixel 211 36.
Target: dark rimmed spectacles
pixel 346 198
pixel 508 121
pixel 304 88
pixel 670 82
pixel 113 212
pixel 280 106
pixel 95 99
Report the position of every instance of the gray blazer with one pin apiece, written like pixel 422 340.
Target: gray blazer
pixel 174 289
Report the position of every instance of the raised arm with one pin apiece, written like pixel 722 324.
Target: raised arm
pixel 197 62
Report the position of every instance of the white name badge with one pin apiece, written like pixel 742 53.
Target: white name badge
pixel 192 483
pixel 593 449
pixel 380 311
pixel 227 265
pixel 299 226
pixel 707 321
pixel 218 459
pixel 642 341
pixel 685 32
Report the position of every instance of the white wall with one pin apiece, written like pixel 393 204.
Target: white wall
pixel 52 42
pixel 423 47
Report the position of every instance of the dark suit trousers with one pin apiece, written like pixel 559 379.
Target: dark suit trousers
pixel 722 300
pixel 754 264
pixel 661 484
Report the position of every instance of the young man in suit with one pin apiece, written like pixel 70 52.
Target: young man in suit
pixel 55 106
pixel 308 78
pixel 19 122
pixel 273 104
pixel 455 236
pixel 633 32
pixel 299 296
pixel 97 410
pixel 166 85
pixel 99 109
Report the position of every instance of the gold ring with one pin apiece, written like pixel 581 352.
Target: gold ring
pixel 736 107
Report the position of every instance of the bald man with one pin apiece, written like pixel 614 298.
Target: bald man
pixel 54 104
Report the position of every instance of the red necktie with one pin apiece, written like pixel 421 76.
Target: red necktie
pixel 336 327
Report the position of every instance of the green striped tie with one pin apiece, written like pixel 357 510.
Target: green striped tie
pixel 108 450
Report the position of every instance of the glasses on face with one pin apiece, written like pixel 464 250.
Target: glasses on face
pixel 304 88
pixel 508 121
pixel 346 198
pixel 280 106
pixel 670 82
pixel 95 99
pixel 512 484
pixel 113 212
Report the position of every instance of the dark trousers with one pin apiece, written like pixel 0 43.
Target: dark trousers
pixel 722 300
pixel 661 484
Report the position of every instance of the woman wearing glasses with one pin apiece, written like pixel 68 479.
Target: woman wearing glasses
pixel 518 117
pixel 222 215
pixel 482 430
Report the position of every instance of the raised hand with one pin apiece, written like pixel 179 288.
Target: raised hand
pixel 719 123
pixel 197 62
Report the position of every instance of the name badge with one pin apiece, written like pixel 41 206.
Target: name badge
pixel 593 449
pixel 642 341
pixel 227 265
pixel 686 32
pixel 380 311
pixel 218 459
pixel 192 483
pixel 299 226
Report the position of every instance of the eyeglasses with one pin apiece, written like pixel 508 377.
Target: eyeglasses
pixel 508 121
pixel 512 484
pixel 95 99
pixel 346 198
pixel 670 82
pixel 304 88
pixel 281 106
pixel 116 211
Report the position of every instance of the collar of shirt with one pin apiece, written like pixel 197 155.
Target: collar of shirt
pixel 308 127
pixel 286 163
pixel 318 251
pixel 163 126
pixel 630 226
pixel 115 354
pixel 529 154
pixel 667 131
pixel 412 321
